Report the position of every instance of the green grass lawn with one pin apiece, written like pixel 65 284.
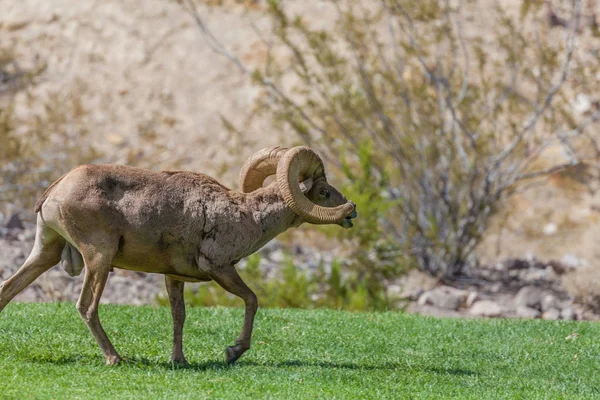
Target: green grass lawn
pixel 47 352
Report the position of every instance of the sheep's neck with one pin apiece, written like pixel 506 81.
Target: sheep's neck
pixel 272 215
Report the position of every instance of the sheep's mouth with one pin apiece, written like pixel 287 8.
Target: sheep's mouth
pixel 347 222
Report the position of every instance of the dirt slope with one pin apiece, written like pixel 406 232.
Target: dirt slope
pixel 137 68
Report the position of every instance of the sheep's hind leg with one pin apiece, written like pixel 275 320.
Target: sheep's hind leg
pixel 175 291
pixel 98 266
pixel 45 254
pixel 229 280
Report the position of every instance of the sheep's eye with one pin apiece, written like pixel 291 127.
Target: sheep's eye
pixel 324 192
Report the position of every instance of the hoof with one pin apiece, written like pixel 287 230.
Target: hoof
pixel 179 362
pixel 113 360
pixel 232 354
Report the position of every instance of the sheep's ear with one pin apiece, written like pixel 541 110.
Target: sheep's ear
pixel 306 185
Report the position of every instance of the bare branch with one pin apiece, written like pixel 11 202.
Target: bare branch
pixel 438 133
pixel 541 109
pixel 564 140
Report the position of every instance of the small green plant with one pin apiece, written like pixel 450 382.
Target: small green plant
pixel 374 258
pixel 291 286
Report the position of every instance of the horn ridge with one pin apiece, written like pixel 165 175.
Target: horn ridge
pixel 297 164
pixel 259 166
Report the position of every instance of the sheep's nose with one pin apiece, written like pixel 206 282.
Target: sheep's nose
pixel 354 214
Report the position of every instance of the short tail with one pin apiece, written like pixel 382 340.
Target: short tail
pixel 40 202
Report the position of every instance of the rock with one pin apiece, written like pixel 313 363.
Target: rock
pixel 550 229
pixel 274 245
pixel 471 299
pixel 495 287
pixel 424 299
pixel 414 284
pixel 26 236
pixel 277 256
pixel 15 222
pixel 527 312
pixel 567 314
pixel 549 302
pixel 519 263
pixel 550 273
pixel 533 274
pixel 528 296
pixel 515 274
pixel 447 297
pixel 486 308
pixel 571 261
pixel 580 312
pixel 395 291
pixel 558 267
pixel 551 315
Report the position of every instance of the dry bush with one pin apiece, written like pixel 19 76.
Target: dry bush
pixel 453 121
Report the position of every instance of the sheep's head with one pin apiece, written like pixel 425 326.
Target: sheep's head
pixel 301 179
pixel 322 194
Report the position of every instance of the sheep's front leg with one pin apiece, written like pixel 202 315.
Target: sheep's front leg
pixel 175 291
pixel 229 280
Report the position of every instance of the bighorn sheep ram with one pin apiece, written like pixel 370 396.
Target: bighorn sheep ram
pixel 184 225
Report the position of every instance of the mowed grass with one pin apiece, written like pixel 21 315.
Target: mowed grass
pixel 47 352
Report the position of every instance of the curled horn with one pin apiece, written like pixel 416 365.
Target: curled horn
pixel 298 164
pixel 260 166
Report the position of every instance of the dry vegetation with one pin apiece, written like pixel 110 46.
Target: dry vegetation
pixel 437 123
pixel 451 122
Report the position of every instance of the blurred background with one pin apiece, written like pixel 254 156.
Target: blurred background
pixel 465 131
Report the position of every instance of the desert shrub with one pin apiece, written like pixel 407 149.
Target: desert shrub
pixel 455 121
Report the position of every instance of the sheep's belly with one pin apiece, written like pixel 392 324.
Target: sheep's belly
pixel 143 262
